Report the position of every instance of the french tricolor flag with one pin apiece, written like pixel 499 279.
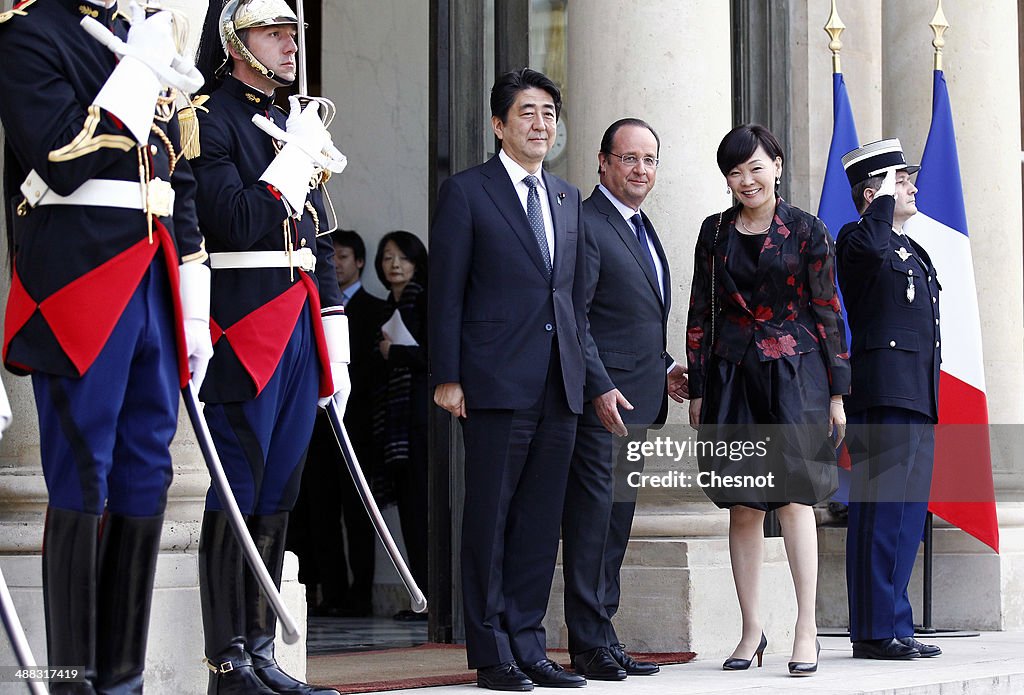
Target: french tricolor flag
pixel 962 491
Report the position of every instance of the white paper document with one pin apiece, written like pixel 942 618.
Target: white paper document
pixel 395 328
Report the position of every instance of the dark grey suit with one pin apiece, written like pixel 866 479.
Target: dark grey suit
pixel 628 318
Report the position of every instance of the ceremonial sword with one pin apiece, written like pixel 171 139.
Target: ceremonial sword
pixel 19 643
pixel 419 602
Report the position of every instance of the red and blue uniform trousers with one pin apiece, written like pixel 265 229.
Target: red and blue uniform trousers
pixel 891 452
pixel 262 442
pixel 105 436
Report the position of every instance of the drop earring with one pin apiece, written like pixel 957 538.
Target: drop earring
pixel 778 181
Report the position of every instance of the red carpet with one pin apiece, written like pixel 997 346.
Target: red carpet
pixel 419 667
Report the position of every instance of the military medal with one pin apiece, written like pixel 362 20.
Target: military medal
pixel 911 292
pixel 903 254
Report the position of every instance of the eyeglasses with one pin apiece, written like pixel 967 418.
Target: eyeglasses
pixel 631 160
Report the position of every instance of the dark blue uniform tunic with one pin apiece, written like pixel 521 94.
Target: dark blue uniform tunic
pixel 93 311
pixel 268 365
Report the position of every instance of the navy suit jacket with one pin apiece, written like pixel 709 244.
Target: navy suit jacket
pixel 494 311
pixel 628 319
pixel 895 346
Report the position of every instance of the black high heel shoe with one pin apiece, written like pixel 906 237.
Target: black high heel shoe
pixel 802 668
pixel 734 664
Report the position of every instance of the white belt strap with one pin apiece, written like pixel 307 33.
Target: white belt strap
pixel 300 258
pixel 94 192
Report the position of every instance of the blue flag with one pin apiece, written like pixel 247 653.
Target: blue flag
pixel 836 208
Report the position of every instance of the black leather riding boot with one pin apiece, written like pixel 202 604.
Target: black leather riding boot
pixel 129 547
pixel 268 532
pixel 69 595
pixel 221 592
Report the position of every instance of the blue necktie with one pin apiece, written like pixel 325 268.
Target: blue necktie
pixel 641 236
pixel 536 218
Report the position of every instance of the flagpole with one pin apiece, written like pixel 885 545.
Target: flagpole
pixel 837 210
pixel 939 26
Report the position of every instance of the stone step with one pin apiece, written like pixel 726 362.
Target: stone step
pixel 984 665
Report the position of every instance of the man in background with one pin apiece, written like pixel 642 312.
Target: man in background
pixel 327 552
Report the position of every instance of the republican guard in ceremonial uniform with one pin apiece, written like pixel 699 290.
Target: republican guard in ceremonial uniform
pixel 892 298
pixel 108 309
pixel 279 331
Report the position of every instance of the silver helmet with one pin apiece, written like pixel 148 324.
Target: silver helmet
pixel 239 15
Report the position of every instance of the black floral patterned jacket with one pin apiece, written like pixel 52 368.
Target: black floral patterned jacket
pixel 794 304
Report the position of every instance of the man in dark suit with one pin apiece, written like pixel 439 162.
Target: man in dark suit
pixel 328 495
pixel 628 298
pixel 892 299
pixel 507 326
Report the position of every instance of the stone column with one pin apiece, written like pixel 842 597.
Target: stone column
pixel 980 58
pixel 175 637
pixel 669 64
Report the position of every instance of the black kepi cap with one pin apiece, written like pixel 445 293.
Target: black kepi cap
pixel 864 162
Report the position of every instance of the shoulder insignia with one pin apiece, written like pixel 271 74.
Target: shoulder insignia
pixel 17 11
pixel 188 123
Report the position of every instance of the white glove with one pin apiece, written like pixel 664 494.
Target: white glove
pixel 335 325
pixel 888 186
pixel 305 127
pixel 195 309
pixel 308 147
pixel 131 91
pixel 5 410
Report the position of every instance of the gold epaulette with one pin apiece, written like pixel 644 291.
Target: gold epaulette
pixel 188 122
pixel 17 11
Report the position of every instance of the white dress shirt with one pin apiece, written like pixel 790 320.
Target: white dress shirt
pixel 517 173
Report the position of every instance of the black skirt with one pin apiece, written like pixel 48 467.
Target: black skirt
pixel 763 441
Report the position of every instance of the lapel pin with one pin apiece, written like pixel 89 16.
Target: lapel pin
pixel 903 254
pixel 561 197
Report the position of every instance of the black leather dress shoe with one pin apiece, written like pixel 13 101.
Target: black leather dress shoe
pixel 547 674
pixel 506 676
pixel 925 649
pixel 599 665
pixel 631 666
pixel 889 648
